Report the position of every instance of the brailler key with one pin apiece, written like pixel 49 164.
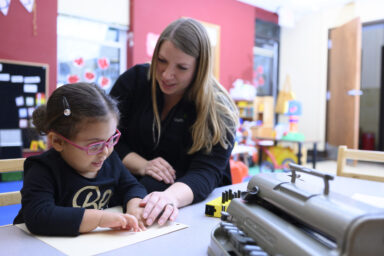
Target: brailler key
pixel 257 253
pixel 226 224
pixel 248 248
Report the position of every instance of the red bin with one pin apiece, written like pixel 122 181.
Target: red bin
pixel 368 141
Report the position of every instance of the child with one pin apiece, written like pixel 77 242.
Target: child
pixel 66 188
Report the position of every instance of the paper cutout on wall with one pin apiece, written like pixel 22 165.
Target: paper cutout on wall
pixel 73 79
pixel 103 63
pixel 104 82
pixel 17 79
pixel 89 76
pixel 79 62
pixel 40 98
pixel 19 101
pixel 4 6
pixel 30 88
pixel 30 111
pixel 29 101
pixel 32 79
pixel 258 76
pixel 5 77
pixel 23 113
pixel 151 43
pixel 28 4
pixel 23 123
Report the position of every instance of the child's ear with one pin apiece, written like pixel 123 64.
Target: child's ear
pixel 55 141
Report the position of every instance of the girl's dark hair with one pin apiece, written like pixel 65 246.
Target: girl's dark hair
pixel 86 102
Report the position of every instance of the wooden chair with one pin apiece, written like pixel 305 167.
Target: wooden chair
pixel 11 165
pixel 363 155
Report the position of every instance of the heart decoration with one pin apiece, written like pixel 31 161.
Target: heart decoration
pixel 73 79
pixel 79 62
pixel 103 63
pixel 89 76
pixel 104 82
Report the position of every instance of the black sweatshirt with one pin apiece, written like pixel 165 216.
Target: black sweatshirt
pixel 54 195
pixel 201 172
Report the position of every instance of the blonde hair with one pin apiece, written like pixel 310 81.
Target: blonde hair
pixel 217 115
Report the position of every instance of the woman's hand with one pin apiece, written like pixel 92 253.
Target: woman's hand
pixel 119 221
pixel 159 205
pixel 160 170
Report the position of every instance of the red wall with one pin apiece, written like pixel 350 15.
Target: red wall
pixel 17 39
pixel 266 15
pixel 236 21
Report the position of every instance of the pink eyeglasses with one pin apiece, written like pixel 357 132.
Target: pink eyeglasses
pixel 97 147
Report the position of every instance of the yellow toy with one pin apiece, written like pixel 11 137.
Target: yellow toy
pixel 36 144
pixel 216 206
pixel 277 157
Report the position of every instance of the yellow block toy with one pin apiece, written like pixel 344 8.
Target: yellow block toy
pixel 216 206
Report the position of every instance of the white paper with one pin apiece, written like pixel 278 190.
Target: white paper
pixel 102 240
pixel 30 88
pixel 10 138
pixel 5 77
pixel 30 111
pixel 17 79
pixel 375 201
pixel 19 101
pixel 32 79
pixel 23 113
pixel 23 123
pixel 29 101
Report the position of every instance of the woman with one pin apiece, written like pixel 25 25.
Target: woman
pixel 177 123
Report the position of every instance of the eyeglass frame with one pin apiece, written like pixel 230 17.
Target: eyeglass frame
pixel 86 149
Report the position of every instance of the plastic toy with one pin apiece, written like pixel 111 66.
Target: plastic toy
pixel 239 171
pixel 216 206
pixel 277 157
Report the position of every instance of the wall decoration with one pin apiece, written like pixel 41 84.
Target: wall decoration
pixel 40 99
pixel 151 43
pixel 103 63
pixel 28 4
pixel 104 82
pixel 4 6
pixel 73 79
pixel 214 36
pixel 90 76
pixel 18 92
pixel 79 62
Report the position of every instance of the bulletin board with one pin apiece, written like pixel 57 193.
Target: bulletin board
pixel 23 87
pixel 213 31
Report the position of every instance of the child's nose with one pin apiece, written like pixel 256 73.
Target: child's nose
pixel 105 150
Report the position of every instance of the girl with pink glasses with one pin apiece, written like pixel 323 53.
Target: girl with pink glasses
pixel 66 188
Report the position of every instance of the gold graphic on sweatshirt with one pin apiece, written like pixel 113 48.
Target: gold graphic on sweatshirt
pixel 98 201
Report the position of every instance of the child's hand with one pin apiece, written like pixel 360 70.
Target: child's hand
pixel 119 221
pixel 134 208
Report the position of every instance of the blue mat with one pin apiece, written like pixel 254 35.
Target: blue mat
pixel 8 213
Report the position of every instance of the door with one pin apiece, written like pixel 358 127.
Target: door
pixel 343 103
